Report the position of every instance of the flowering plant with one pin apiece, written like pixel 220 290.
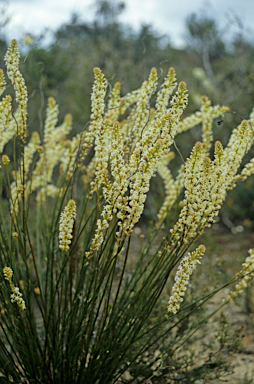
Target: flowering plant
pixel 71 309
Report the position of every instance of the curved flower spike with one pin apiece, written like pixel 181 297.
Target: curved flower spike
pixel 186 267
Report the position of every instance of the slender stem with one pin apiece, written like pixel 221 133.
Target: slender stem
pixel 34 262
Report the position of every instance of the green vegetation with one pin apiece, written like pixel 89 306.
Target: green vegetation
pixel 77 302
pixel 102 213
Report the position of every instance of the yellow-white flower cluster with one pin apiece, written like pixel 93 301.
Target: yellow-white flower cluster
pixel 31 148
pixel 172 187
pixel 114 192
pixel 248 169
pixel 127 154
pixel 148 154
pixel 5 117
pixel 97 109
pixel 101 157
pixel 5 160
pixel 103 145
pixel 202 115
pixel 53 146
pixel 184 271
pixel 16 296
pixel 114 104
pixel 165 92
pixel 207 182
pixel 142 108
pixel 193 204
pixel 12 64
pixel 246 274
pixel 55 150
pixel 135 149
pixel 66 224
pixel 2 82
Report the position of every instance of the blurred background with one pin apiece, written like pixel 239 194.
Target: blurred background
pixel 209 43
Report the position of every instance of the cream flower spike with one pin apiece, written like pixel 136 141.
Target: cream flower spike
pixel 5 114
pixel 185 269
pixel 172 189
pixel 2 82
pixel 101 156
pixel 16 296
pixel 247 273
pixel 114 103
pixel 97 110
pixel 66 224
pixel 12 64
pixel 165 92
pixel 142 110
pixel 50 122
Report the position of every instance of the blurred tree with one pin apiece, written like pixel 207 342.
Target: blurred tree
pixel 107 11
pixel 204 35
pixel 4 17
pixel 204 38
pixel 227 67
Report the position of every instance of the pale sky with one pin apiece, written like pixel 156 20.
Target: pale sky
pixel 167 16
